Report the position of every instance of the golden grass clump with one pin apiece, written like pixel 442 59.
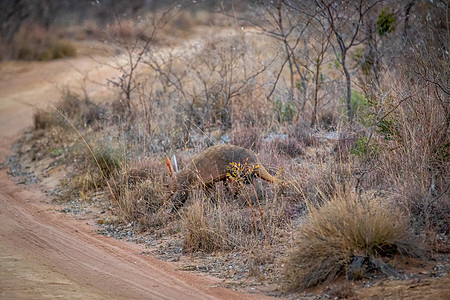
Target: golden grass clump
pixel 344 228
pixel 138 193
pixel 199 232
pixel 218 226
pixel 220 222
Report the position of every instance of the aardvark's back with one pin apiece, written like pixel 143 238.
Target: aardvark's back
pixel 212 164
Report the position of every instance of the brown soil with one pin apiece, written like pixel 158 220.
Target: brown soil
pixel 46 254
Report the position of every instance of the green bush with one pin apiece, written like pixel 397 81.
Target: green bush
pixel 388 128
pixel 285 112
pixel 361 107
pixel 363 146
pixel 107 159
pixel 386 22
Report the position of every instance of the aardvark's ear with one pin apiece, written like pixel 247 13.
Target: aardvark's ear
pixel 169 165
pixel 174 163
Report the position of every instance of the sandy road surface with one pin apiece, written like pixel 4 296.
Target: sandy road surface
pixel 45 254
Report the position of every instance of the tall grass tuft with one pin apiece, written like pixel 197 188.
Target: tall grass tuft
pixel 218 221
pixel 139 194
pixel 344 228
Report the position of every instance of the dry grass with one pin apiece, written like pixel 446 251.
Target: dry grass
pixel 218 221
pixel 34 42
pixel 202 233
pixel 80 111
pixel 73 117
pixel 339 230
pixel 43 119
pixel 139 194
pixel 413 163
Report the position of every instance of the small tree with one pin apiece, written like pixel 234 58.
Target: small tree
pixel 345 19
pixel 135 50
pixel 283 22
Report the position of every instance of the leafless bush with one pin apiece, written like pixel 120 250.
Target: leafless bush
pixel 210 84
pixel 247 137
pixel 303 135
pixel 288 146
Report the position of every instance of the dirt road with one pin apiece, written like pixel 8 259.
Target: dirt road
pixel 45 254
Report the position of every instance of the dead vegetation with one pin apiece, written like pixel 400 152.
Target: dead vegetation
pixel 368 172
pixel 343 236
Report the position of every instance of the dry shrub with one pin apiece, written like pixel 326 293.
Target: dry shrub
pixel 34 42
pixel 328 120
pixel 82 111
pixel 139 194
pixel 212 227
pixel 125 30
pixel 61 49
pixel 347 141
pixel 226 223
pixel 304 135
pixel 64 128
pixel 200 235
pixel 48 51
pixel 183 24
pixel 81 185
pixel 415 156
pixel 339 230
pixel 326 178
pixel 289 196
pixel 107 159
pixel 288 146
pixel 247 137
pixel 96 163
pixel 44 119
